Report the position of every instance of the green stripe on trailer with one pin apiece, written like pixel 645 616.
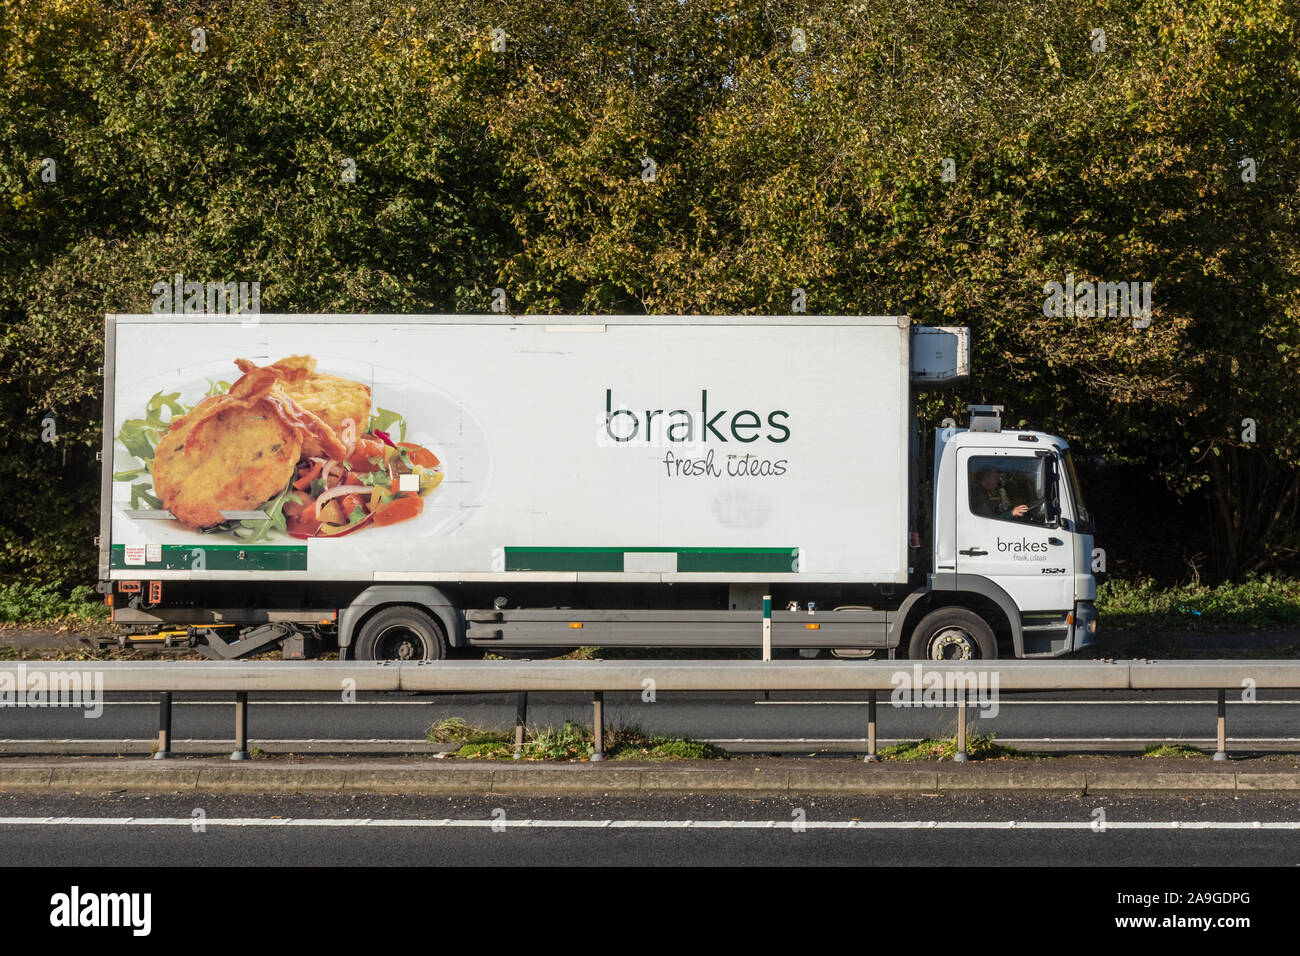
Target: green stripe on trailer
pixel 706 560
pixel 216 557
pixel 764 560
pixel 564 559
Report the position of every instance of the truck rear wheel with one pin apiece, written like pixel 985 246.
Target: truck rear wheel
pixel 953 634
pixel 401 634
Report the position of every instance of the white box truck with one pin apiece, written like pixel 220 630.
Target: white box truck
pixel 403 486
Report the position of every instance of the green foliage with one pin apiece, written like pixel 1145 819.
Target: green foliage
pixel 570 742
pixel 774 169
pixel 1258 603
pixel 666 748
pixel 1172 750
pixel 35 604
pixel 486 750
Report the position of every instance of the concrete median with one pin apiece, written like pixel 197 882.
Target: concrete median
pixel 743 776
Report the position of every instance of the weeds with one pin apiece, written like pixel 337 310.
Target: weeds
pixel 978 747
pixel 568 743
pixel 1172 750
pixel 454 730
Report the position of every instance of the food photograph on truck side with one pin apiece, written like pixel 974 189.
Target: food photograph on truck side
pixel 281 441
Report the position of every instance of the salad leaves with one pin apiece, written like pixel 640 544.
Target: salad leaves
pixel 140 436
pixel 383 420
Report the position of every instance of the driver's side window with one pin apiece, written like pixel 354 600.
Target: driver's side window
pixel 1001 486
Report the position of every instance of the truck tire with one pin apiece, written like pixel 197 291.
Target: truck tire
pixel 953 634
pixel 401 633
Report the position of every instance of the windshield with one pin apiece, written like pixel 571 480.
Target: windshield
pixel 1076 490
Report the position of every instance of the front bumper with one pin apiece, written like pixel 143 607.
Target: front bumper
pixel 1086 625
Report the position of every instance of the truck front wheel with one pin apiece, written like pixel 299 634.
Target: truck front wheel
pixel 401 634
pixel 953 634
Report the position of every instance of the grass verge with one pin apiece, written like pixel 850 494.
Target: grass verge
pixel 568 743
pixel 978 747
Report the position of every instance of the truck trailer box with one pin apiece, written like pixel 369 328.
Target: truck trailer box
pixel 408 485
pixel 594 448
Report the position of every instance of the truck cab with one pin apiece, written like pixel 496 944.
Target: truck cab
pixel 1011 525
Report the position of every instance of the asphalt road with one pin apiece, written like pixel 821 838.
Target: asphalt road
pixel 896 831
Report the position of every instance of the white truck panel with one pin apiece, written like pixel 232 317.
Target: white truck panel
pixel 541 427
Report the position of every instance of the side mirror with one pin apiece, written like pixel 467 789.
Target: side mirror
pixel 1053 513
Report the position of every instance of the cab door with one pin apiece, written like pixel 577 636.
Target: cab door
pixel 1026 555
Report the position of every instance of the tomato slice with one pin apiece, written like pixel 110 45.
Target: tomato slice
pixel 302 526
pixel 369 448
pixel 420 455
pixel 399 509
pixel 366 449
pixel 303 483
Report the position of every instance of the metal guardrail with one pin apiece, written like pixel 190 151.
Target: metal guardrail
pixel 600 677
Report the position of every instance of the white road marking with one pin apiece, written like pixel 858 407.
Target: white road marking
pixel 656 824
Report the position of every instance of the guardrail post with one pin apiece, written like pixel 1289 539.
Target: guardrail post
pixel 767 627
pixel 241 726
pixel 961 756
pixel 1222 752
pixel 521 718
pixel 164 726
pixel 871 728
pixel 598 726
pixel 767 635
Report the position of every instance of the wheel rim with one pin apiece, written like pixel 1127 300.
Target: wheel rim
pixel 400 643
pixel 953 644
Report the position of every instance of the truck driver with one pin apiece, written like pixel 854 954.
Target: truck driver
pixel 989 499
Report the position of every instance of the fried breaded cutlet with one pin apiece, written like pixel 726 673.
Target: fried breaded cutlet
pixel 232 452
pixel 333 399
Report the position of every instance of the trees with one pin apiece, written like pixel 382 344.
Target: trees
pixel 526 168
